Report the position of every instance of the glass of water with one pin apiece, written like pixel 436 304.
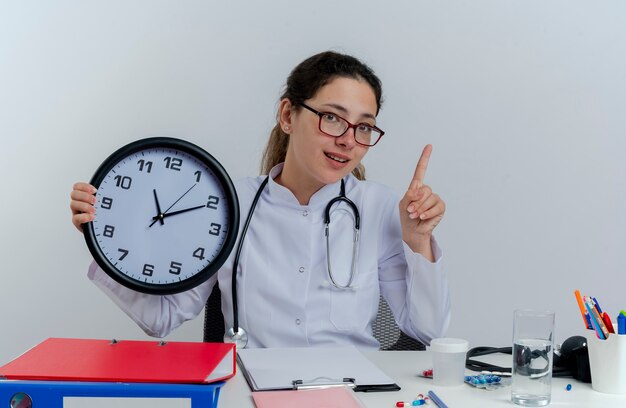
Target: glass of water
pixel 533 341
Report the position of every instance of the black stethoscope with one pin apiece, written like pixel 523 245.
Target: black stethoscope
pixel 237 334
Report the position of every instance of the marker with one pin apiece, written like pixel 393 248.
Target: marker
pixel 583 311
pixel 621 324
pixel 437 400
pixel 607 322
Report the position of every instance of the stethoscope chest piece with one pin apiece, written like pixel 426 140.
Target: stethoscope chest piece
pixel 240 338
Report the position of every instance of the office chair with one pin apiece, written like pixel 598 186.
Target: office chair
pixel 214 328
pixel 385 329
pixel 387 332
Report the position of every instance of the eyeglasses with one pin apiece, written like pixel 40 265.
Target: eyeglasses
pixel 336 126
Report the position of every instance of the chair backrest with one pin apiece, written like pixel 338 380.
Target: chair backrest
pixel 385 329
pixel 213 318
pixel 387 332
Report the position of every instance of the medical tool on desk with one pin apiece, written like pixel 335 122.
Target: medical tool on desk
pixel 571 360
pixel 237 334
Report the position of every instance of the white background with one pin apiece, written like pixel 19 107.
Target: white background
pixel 524 102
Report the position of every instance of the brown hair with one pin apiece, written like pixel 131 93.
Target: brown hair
pixel 303 83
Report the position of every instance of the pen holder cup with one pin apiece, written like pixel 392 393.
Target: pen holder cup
pixel 607 360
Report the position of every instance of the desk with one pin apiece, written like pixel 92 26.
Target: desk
pixel 403 367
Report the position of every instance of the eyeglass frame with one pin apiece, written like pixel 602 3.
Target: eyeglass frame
pixel 350 125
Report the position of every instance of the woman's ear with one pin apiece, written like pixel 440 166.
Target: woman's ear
pixel 285 115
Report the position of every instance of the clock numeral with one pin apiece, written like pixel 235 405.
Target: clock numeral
pixel 199 253
pixel 106 203
pixel 175 268
pixel 198 174
pixel 212 203
pixel 124 253
pixel 108 231
pixel 148 269
pixel 173 163
pixel 215 229
pixel 147 164
pixel 123 181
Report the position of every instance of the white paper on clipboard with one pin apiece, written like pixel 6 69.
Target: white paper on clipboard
pixel 278 368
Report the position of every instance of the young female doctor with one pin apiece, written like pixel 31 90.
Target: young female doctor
pixel 294 286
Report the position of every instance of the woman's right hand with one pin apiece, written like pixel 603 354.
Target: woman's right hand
pixel 82 204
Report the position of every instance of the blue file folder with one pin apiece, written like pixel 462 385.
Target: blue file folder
pixel 50 394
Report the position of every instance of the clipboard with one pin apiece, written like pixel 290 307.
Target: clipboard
pixel 273 369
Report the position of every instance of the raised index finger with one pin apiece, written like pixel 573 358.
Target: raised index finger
pixel 422 164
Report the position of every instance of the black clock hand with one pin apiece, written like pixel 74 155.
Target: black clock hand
pixel 159 213
pixel 161 216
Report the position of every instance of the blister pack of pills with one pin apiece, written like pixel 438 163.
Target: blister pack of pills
pixel 486 381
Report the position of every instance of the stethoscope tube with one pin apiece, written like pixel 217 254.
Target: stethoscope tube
pixel 237 334
pixel 355 240
pixel 342 197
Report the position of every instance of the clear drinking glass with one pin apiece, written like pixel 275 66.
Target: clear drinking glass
pixel 533 341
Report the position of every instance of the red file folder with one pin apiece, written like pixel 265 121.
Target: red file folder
pixel 124 361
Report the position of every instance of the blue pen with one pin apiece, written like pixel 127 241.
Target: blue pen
pixel 597 305
pixel 621 324
pixel 595 323
pixel 437 400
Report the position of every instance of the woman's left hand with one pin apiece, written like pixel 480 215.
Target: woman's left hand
pixel 421 210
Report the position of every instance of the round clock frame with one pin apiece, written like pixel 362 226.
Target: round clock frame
pixel 151 233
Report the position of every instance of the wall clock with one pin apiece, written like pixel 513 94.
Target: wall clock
pixel 167 216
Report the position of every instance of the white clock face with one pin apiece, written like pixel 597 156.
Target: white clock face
pixel 162 216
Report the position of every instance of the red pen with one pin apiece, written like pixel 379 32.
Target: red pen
pixel 607 322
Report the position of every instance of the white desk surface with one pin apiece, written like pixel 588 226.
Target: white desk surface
pixel 403 366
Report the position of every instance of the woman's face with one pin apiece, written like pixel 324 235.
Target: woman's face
pixel 314 158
